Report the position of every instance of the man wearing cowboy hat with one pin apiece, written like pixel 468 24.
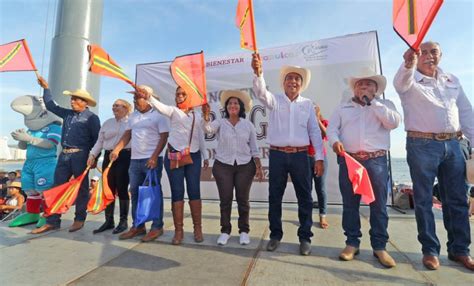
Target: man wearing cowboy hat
pixel 437 112
pixel 79 134
pixel 361 127
pixel 291 126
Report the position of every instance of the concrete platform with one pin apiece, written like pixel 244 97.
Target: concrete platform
pixel 81 258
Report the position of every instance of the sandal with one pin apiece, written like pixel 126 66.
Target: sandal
pixel 323 223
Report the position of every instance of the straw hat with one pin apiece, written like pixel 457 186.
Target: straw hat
pixel 242 95
pixel 304 73
pixel 83 94
pixel 372 75
pixel 15 184
pixel 470 171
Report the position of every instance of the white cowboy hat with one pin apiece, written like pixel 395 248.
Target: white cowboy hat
pixel 304 73
pixel 83 94
pixel 242 95
pixel 95 178
pixel 368 73
pixel 148 89
pixel 470 171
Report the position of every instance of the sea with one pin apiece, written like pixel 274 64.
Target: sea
pixel 400 171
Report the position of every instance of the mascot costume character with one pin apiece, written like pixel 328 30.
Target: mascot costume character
pixel 40 142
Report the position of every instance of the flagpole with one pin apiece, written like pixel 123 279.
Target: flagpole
pixel 254 36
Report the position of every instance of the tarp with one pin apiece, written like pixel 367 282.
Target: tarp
pixel 331 62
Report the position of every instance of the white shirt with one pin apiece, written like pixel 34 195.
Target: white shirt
pixel 235 143
pixel 146 128
pixel 434 105
pixel 181 124
pixel 109 135
pixel 363 128
pixel 291 123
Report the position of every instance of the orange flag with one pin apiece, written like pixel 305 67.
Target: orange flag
pixel 101 63
pixel 102 195
pixel 413 18
pixel 59 200
pixel 360 179
pixel 16 56
pixel 189 73
pixel 244 20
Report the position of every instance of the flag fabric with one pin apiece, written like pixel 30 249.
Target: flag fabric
pixel 59 200
pixel 101 63
pixel 413 18
pixel 189 73
pixel 244 20
pixel 102 195
pixel 360 179
pixel 16 56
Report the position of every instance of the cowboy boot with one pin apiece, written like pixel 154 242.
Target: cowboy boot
pixel 123 223
pixel 196 212
pixel 109 219
pixel 178 214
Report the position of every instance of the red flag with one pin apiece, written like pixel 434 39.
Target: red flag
pixel 413 18
pixel 16 56
pixel 101 63
pixel 59 200
pixel 360 179
pixel 244 20
pixel 189 73
pixel 102 195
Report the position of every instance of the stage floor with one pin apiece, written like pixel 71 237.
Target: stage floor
pixel 81 258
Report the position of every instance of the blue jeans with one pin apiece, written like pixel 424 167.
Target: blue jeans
pixel 427 159
pixel 320 185
pixel 377 169
pixel 72 164
pixel 297 165
pixel 137 173
pixel 192 174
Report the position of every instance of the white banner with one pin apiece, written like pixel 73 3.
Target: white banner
pixel 331 62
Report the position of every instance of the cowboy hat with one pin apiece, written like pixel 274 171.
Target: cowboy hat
pixel 83 94
pixel 242 95
pixel 369 74
pixel 95 178
pixel 15 184
pixel 148 89
pixel 470 171
pixel 304 73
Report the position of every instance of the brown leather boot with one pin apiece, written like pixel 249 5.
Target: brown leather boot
pixel 178 213
pixel 196 212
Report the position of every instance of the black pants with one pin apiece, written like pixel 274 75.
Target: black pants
pixel 118 175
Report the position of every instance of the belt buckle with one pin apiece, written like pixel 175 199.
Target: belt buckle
pixel 441 136
pixel 291 149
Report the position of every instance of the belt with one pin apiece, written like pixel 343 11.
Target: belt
pixel 71 150
pixel 289 149
pixel 363 156
pixel 434 136
pixel 125 150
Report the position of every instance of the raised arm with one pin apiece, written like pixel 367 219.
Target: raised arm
pixel 404 79
pixel 49 102
pixel 259 85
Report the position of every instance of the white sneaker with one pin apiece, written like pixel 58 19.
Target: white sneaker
pixel 244 238
pixel 223 238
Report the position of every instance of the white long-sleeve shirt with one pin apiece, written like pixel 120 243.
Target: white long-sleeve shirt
pixel 235 143
pixel 291 123
pixel 109 135
pixel 363 128
pixel 180 128
pixel 434 105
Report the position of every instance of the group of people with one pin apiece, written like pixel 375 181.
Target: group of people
pixel 156 135
pixel 11 195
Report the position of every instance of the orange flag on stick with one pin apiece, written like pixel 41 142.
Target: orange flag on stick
pixel 189 73
pixel 59 199
pixel 244 20
pixel 413 18
pixel 102 195
pixel 360 179
pixel 101 63
pixel 16 56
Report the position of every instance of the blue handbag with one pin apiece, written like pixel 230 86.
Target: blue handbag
pixel 149 199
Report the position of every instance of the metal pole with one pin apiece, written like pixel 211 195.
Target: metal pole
pixel 78 24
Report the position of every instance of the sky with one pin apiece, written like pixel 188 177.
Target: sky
pixel 143 31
